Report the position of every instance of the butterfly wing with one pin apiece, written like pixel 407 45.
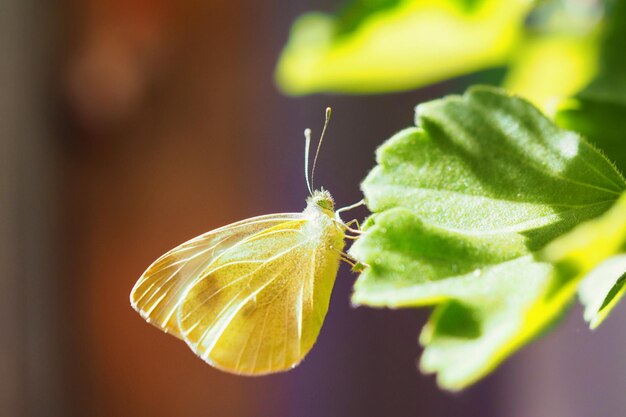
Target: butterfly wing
pixel 259 307
pixel 158 292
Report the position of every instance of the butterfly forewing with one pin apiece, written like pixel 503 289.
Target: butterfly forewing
pixel 260 305
pixel 158 293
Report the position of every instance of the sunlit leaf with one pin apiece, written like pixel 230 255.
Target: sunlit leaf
pixel 602 289
pixel 386 45
pixel 461 205
pixel 597 249
pixel 549 68
pixel 558 54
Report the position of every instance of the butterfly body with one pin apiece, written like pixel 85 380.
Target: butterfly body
pixel 249 298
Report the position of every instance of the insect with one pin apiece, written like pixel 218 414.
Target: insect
pixel 250 298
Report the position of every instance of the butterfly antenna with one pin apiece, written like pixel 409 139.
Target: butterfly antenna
pixel 319 144
pixel 307 147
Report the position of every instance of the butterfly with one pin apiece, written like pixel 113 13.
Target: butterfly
pixel 250 298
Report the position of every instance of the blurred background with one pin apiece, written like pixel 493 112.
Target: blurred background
pixel 127 127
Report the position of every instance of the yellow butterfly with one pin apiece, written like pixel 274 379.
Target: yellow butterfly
pixel 250 298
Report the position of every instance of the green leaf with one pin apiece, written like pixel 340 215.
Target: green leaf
pixel 385 45
pixel 610 83
pixel 604 123
pixel 356 12
pixel 461 205
pixel 595 250
pixel 598 110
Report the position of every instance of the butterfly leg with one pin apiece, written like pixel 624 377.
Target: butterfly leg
pixel 357 232
pixel 346 228
pixel 357 266
pixel 353 221
pixel 355 205
pixel 358 226
pixel 347 225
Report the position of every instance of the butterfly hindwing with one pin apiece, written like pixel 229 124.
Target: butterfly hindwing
pixel 158 293
pixel 260 305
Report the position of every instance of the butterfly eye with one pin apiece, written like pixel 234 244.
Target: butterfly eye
pixel 325 204
pixel 322 199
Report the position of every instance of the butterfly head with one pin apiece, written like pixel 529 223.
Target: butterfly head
pixel 322 199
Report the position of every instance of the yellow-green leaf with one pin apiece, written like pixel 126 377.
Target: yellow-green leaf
pixel 595 249
pixel 399 45
pixel 462 204
pixel 548 68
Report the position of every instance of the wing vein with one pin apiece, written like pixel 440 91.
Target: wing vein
pixel 273 258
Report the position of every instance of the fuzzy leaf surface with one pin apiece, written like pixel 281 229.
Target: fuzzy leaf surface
pixel 462 203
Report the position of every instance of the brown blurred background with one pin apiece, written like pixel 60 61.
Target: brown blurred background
pixel 127 127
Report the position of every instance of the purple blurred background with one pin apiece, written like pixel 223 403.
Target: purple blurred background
pixel 127 127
